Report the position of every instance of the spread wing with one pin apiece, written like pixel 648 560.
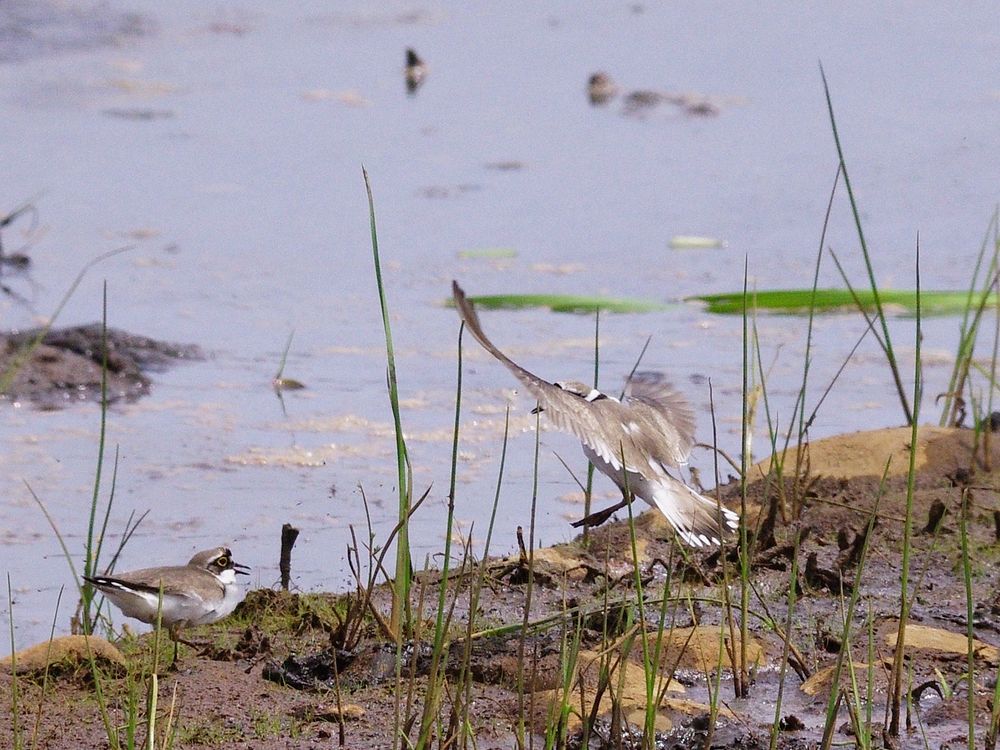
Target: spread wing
pixel 669 414
pixel 563 408
pixel 613 430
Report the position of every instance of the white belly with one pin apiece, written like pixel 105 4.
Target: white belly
pixel 638 485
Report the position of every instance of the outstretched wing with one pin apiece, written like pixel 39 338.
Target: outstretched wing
pixel 610 428
pixel 565 410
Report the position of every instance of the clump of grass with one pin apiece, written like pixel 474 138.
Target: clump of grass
pixel 529 590
pixel 88 613
pixel 118 735
pixel 980 296
pixel 463 704
pixel 793 584
pixel 836 692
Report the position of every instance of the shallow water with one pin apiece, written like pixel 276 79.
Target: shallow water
pixel 225 144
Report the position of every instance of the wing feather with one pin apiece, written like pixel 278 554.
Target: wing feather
pixel 601 424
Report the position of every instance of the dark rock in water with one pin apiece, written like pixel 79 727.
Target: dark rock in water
pixel 17 261
pixel 66 364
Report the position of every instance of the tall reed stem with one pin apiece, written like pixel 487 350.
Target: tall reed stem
pixel 904 583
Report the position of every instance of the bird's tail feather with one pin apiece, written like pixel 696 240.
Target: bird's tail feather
pixel 700 521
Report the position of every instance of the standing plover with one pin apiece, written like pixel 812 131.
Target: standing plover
pixel 201 592
pixel 652 429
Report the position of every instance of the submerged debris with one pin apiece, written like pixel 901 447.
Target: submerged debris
pixel 415 71
pixel 601 89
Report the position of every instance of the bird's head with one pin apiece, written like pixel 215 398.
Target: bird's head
pixel 218 560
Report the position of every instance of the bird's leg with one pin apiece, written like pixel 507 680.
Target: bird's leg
pixel 175 636
pixel 599 517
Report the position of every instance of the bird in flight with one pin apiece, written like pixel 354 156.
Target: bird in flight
pixel 636 441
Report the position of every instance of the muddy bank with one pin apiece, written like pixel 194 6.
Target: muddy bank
pixel 293 670
pixel 65 364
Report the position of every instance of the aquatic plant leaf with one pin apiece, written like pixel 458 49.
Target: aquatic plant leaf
pixel 692 242
pixel 565 303
pixel 488 253
pixel 798 301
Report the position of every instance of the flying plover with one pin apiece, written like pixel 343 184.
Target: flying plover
pixel 636 441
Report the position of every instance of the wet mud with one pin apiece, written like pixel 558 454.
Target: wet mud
pixel 295 669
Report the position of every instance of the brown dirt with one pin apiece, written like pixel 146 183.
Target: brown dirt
pixel 222 700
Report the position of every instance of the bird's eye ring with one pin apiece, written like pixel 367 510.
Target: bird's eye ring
pixel 222 562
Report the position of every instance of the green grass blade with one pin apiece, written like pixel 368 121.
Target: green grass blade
pixel 969 621
pixel 15 712
pixel 911 476
pixel 880 314
pixel 435 678
pixel 400 617
pixel 90 558
pixel 45 675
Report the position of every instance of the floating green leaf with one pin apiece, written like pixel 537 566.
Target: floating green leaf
pixel 489 253
pixel 799 301
pixel 565 303
pixel 691 242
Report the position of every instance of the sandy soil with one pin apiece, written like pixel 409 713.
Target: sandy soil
pixel 222 699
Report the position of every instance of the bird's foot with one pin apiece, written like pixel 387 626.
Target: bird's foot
pixel 599 517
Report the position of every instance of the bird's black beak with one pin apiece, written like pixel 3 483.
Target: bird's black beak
pixel 241 570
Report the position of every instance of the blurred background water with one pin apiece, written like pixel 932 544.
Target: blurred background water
pixel 224 141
